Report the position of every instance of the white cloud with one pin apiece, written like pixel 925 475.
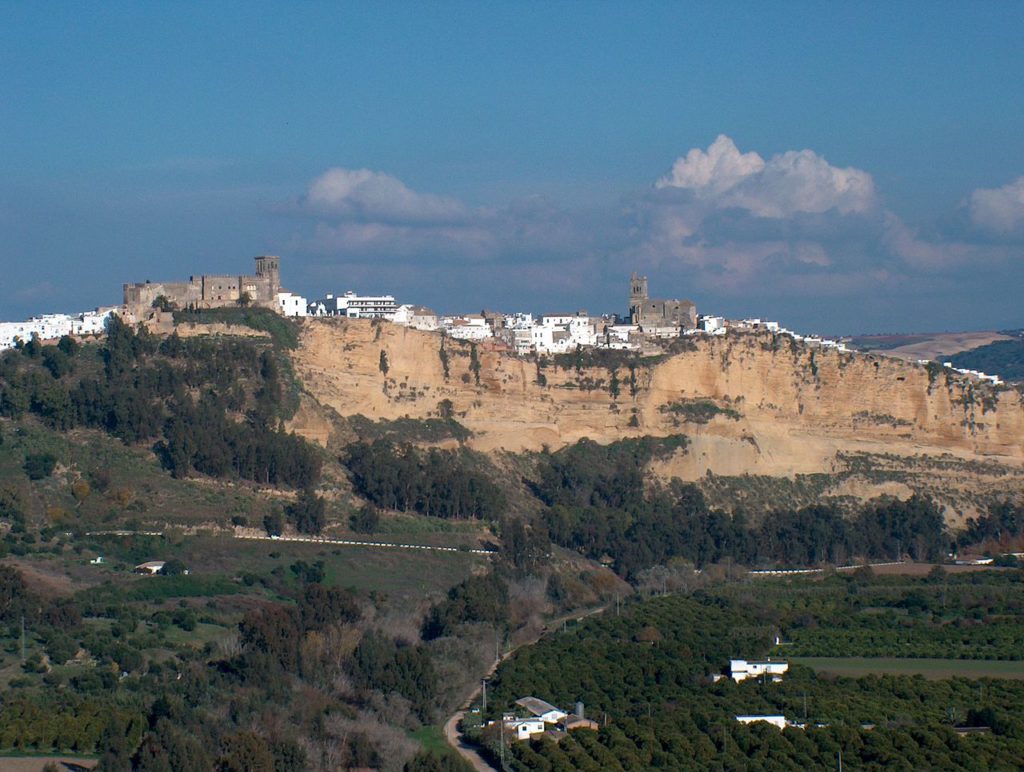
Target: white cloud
pixel 374 196
pixel 720 220
pixel 793 182
pixel 999 210
pixel 712 172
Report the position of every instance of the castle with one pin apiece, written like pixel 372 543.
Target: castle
pixel 652 313
pixel 210 291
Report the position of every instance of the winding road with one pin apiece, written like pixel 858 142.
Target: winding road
pixel 451 726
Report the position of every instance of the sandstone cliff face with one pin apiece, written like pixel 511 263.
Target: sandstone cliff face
pixel 783 409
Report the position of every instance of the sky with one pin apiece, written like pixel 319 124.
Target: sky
pixel 842 168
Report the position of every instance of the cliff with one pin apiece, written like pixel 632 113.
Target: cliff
pixel 750 403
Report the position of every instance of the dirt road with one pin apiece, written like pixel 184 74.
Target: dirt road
pixel 451 726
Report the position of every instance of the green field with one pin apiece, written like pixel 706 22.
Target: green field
pixel 932 669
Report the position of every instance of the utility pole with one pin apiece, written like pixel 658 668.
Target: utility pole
pixel 501 744
pixel 840 754
pixel 22 639
pixel 483 684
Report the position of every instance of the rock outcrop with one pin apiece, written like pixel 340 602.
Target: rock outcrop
pixel 750 403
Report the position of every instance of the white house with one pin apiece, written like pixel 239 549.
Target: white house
pixel 355 306
pixel 714 325
pixel 741 669
pixel 417 317
pixel 520 338
pixel 524 728
pixel 149 567
pixel 290 304
pixel 556 320
pixel 471 327
pixel 776 721
pixel 54 326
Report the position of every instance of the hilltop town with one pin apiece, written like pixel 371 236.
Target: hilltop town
pixel 649 325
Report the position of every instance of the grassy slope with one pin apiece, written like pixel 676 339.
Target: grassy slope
pixel 932 669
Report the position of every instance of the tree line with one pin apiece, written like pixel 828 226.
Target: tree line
pixel 211 406
pixel 431 482
pixel 598 501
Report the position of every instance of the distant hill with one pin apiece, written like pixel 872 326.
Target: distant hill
pixel 1003 357
pixel 938 346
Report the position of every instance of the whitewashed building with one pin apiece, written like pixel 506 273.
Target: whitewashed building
pixel 713 325
pixel 417 317
pixel 472 327
pixel 355 306
pixel 524 728
pixel 290 304
pixel 49 327
pixel 775 720
pixel 741 669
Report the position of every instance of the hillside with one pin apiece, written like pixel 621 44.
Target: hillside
pixel 936 346
pixel 751 404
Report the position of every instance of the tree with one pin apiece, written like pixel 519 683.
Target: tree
pixel 244 300
pixel 39 465
pixel 366 519
pixel 163 303
pixel 273 523
pixel 173 567
pixel 384 367
pixel 474 363
pixel 245 752
pixel 308 513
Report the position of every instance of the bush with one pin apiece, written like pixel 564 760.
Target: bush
pixel 39 465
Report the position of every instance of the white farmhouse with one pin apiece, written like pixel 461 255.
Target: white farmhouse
pixel 741 669
pixel 775 720
pixel 524 728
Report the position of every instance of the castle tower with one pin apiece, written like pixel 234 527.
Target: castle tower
pixel 637 296
pixel 269 267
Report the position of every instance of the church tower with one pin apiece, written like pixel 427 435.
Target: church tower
pixel 637 296
pixel 268 267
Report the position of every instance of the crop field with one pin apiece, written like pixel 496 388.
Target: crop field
pixel 932 669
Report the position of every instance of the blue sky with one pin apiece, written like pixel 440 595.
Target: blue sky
pixel 842 169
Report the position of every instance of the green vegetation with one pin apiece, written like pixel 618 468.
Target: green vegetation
pixel 643 676
pixel 597 502
pixel 400 430
pixel 1004 358
pixel 932 669
pixel 973 616
pixel 697 411
pixel 883 419
pixel 283 331
pixel 153 661
pixel 212 406
pixel 602 358
pixel 432 482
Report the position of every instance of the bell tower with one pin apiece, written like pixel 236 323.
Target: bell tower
pixel 637 296
pixel 269 267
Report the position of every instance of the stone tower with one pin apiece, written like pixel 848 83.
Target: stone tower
pixel 637 296
pixel 268 267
